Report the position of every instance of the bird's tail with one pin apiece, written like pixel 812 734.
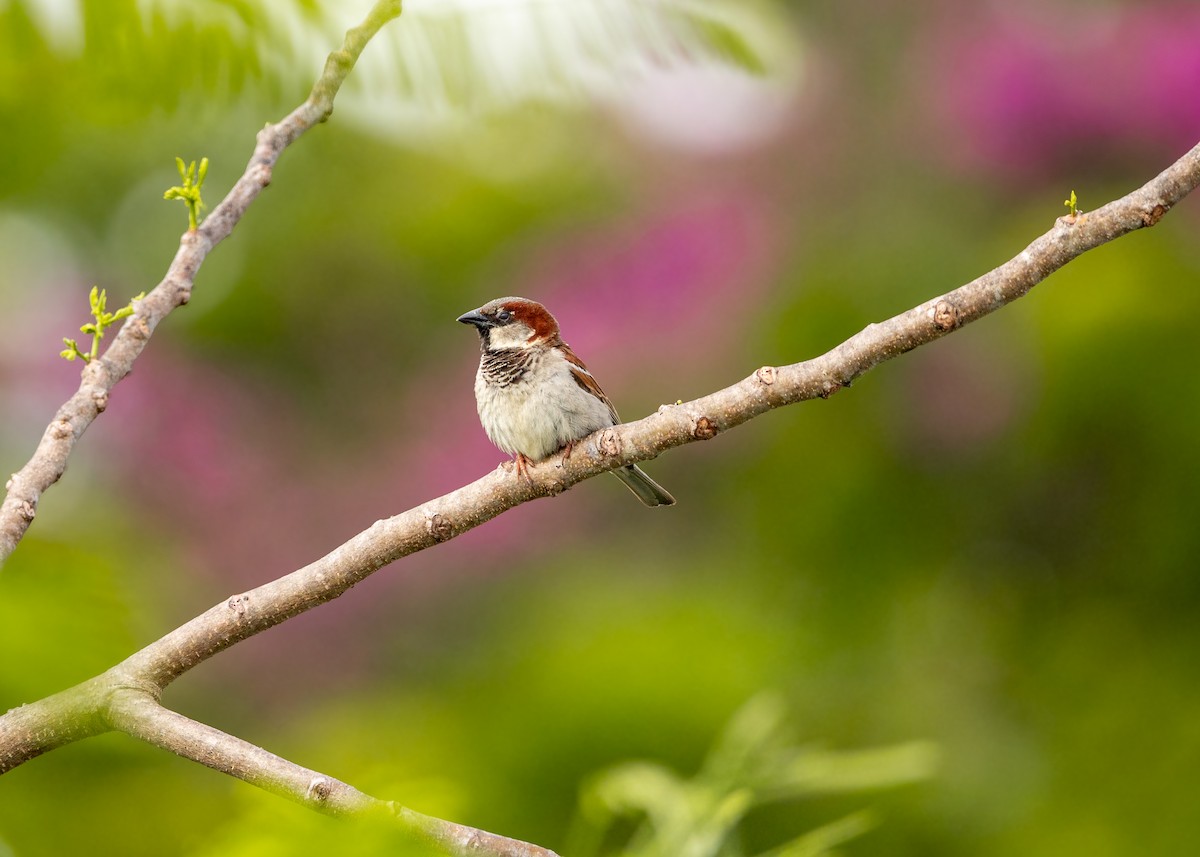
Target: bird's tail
pixel 646 489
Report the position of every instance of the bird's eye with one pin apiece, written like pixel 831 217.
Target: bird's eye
pixel 504 315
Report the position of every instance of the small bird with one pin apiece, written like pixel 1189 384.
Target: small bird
pixel 535 396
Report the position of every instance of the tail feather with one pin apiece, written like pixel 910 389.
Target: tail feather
pixel 646 489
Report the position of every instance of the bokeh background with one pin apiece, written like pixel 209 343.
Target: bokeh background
pixel 983 558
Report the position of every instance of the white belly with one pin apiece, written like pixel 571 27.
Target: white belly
pixel 539 414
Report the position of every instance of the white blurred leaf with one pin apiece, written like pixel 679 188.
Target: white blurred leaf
pixel 449 60
pixel 476 53
pixel 444 63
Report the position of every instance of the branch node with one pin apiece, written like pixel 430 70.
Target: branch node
pixel 319 789
pixel 610 443
pixel 439 528
pixel 766 375
pixel 27 510
pixel 1151 217
pixel 100 399
pixel 138 328
pixel 261 174
pixel 705 429
pixel 828 388
pixel 238 604
pixel 944 315
pixel 60 430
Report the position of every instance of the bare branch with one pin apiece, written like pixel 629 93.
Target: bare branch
pixel 49 461
pixel 441 519
pixel 68 716
pixel 124 698
pixel 139 714
pixel 118 701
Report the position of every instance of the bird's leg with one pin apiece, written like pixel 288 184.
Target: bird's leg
pixel 523 465
pixel 566 451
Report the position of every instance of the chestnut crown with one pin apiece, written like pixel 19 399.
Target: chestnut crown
pixel 512 322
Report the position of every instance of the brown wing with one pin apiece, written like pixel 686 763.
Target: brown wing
pixel 584 379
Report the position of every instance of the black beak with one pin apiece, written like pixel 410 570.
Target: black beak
pixel 476 318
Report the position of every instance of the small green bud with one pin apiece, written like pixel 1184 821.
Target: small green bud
pixel 102 319
pixel 189 190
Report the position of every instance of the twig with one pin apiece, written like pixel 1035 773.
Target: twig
pixel 48 463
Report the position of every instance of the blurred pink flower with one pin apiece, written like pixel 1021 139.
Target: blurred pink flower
pixel 1021 91
pixel 663 288
pixel 209 451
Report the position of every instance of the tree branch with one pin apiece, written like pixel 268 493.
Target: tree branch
pixel 441 519
pixel 125 697
pixel 49 461
pixel 139 714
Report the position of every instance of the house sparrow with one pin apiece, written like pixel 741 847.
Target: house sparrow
pixel 535 396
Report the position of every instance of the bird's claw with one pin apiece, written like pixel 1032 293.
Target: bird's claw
pixel 523 465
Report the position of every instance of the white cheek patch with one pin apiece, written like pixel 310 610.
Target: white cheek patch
pixel 514 335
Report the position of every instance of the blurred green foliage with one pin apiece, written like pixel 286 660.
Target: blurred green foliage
pixel 987 546
pixel 752 763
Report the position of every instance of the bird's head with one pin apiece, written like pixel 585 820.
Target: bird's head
pixel 512 323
